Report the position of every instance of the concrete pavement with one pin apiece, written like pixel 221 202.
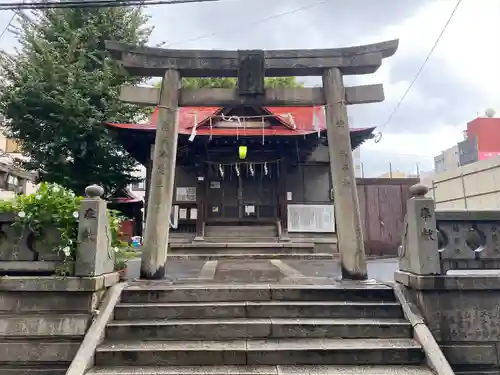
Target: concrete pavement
pixel 234 271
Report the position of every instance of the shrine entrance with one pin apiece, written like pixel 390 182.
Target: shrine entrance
pixel 251 67
pixel 242 194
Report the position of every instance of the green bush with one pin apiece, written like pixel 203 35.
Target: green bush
pixel 55 207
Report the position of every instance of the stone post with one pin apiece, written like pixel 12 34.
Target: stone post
pixel 348 218
pixel 419 249
pixel 154 254
pixel 94 255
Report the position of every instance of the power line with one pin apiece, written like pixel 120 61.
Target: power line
pixel 7 26
pixel 379 134
pixel 256 22
pixel 93 4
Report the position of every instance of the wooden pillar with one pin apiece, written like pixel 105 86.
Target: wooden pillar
pixel 200 203
pixel 348 218
pixel 154 254
pixel 283 203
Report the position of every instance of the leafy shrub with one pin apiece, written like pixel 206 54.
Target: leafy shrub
pixel 53 207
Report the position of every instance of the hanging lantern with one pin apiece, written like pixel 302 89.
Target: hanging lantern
pixel 242 151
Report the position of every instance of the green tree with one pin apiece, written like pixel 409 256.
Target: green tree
pixel 61 86
pixel 229 82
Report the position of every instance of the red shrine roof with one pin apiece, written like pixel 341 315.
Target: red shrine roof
pixel 124 196
pixel 292 121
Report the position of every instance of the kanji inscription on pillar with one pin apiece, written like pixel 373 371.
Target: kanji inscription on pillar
pixel 89 214
pixel 93 245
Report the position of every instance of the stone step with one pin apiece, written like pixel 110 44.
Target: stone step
pixel 246 251
pixel 275 309
pixel 161 292
pixel 248 255
pixel 51 302
pixel 40 350
pixel 232 231
pixel 44 324
pixel 275 328
pixel 245 246
pixel 262 370
pixel 33 370
pixel 260 352
pixel 243 227
pixel 241 239
pixel 328 239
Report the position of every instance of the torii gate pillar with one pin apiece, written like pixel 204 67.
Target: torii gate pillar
pixel 348 222
pixel 161 190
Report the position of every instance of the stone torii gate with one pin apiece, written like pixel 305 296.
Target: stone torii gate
pixel 250 67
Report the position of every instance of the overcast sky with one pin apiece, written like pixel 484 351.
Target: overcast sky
pixel 461 79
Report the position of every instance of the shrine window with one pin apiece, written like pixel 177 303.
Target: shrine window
pixel 139 185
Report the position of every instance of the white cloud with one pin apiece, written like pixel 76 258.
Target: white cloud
pixel 415 144
pixel 434 113
pixel 407 152
pixel 469 50
pixel 469 47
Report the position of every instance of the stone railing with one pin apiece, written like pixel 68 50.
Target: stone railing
pixel 21 251
pixel 24 253
pixel 435 242
pixel 449 265
pixel 468 239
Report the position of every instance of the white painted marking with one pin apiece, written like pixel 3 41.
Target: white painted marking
pixel 286 269
pixel 208 270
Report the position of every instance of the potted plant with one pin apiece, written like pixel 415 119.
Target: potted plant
pixel 122 256
pixel 121 248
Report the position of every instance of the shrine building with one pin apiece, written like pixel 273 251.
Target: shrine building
pixel 246 166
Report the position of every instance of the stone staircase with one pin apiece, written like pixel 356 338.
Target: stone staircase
pixel 43 321
pixel 346 328
pixel 241 233
pixel 245 243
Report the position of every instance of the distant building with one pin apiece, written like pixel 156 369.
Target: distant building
pixel 447 160
pixel 9 146
pixel 138 189
pixel 481 142
pixel 356 160
pixel 483 139
pixel 468 151
pixel 13 180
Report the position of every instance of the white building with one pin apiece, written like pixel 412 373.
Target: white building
pixel 356 160
pixel 13 180
pixel 447 160
pixel 139 188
